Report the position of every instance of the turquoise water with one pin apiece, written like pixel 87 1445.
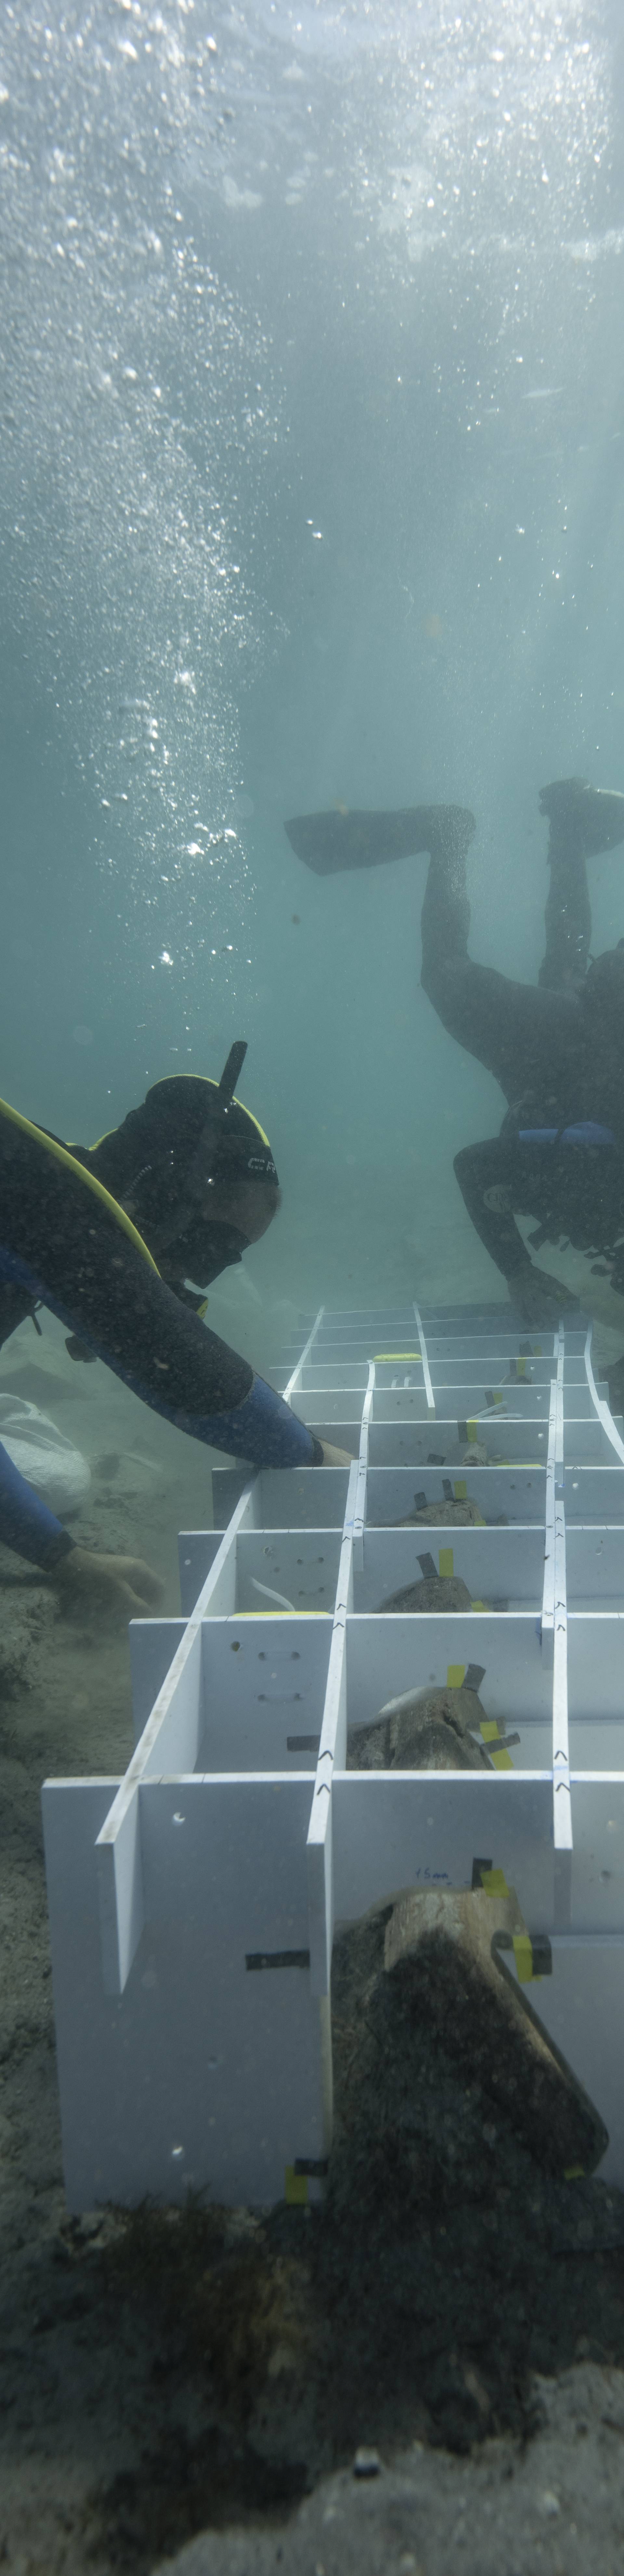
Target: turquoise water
pixel 312 443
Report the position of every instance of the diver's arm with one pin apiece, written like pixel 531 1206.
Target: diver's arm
pixel 61 1246
pixel 26 1525
pixel 490 1186
pixel 262 1429
pixel 107 1583
pixel 486 1174
pixel 124 1314
pixel 32 1531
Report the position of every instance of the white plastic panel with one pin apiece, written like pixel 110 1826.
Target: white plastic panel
pixel 193 1904
pixel 405 1829
pixel 264 1684
pixel 392 1492
pixel 206 2074
pixel 499 1566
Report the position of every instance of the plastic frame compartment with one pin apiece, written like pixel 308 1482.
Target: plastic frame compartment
pixel 193 1902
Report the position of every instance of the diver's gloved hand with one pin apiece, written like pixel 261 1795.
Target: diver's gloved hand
pixel 335 1457
pixel 115 1585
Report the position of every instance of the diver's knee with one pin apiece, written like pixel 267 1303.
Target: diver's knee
pixel 473 1168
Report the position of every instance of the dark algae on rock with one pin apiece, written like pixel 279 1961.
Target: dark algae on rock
pixel 441 1592
pixel 454 2256
pixel 424 1730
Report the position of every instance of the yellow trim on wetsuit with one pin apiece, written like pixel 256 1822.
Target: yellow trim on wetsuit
pixel 196 1077
pixel 240 1104
pixel 63 1155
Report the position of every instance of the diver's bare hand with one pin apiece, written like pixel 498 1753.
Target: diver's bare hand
pixel 335 1457
pixel 115 1585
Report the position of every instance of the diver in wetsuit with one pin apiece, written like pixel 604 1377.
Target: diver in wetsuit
pixel 187 1182
pixel 554 1177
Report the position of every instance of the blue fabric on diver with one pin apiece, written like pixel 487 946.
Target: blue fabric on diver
pixel 26 1525
pixel 588 1132
pixel 262 1429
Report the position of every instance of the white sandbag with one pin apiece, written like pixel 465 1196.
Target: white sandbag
pixel 56 1470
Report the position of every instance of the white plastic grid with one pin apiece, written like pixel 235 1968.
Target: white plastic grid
pixel 193 1903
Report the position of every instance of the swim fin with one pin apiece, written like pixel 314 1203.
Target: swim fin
pixel 332 841
pixel 585 820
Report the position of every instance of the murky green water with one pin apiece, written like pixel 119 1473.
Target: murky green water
pixel 311 453
pixel 312 445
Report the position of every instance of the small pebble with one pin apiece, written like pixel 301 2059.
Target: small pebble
pixel 366 2464
pixel 548 2503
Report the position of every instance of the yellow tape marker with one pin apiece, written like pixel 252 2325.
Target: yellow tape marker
pixel 489 1730
pixel 454 1676
pixel 472 1430
pixel 63 1154
pixel 295 2189
pixel 502 1760
pixel 520 1368
pixel 537 1350
pixel 573 2173
pixel 460 1490
pixel 498 1398
pixel 523 1955
pixel 381 1357
pixel 478 1605
pixel 494 1882
pixel 445 1560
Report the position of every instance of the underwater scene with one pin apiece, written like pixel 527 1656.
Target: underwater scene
pixel 312 1287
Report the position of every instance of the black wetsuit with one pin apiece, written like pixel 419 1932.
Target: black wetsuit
pixel 63 1246
pixel 557 1049
pixel 560 1155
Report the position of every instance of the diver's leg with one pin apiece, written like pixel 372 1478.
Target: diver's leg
pixel 339 839
pixel 472 1001
pixel 567 916
pixel 473 1005
pixel 506 1025
pixel 583 821
pixel 567 920
pixel 445 916
pixel 487 1013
